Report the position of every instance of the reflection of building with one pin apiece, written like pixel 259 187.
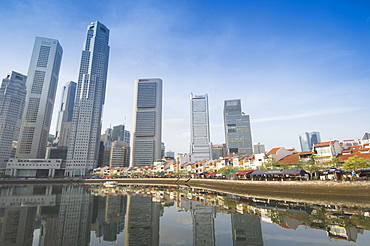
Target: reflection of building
pixel 142 221
pixel 203 222
pixel 74 217
pixel 237 125
pixel 246 229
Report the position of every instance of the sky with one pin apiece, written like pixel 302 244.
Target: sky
pixel 297 66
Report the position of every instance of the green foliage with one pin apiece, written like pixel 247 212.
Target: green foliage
pixel 225 170
pixel 269 163
pixel 355 163
pixel 311 165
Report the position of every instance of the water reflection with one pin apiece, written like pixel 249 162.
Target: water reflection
pixel 145 215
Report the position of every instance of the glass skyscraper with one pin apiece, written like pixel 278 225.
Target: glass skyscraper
pixel 65 114
pixel 238 134
pixel 12 100
pixel 146 122
pixel 83 147
pixel 200 145
pixel 42 82
pixel 308 139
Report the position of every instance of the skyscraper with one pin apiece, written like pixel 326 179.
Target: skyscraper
pixel 42 82
pixel 65 114
pixel 200 145
pixel 83 147
pixel 237 129
pixel 119 133
pixel 308 139
pixel 12 100
pixel 146 122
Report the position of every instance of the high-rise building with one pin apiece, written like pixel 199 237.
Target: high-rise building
pixel 65 114
pixel 308 139
pixel 218 150
pixel 42 82
pixel 83 147
pixel 237 125
pixel 119 133
pixel 200 145
pixel 258 148
pixel 146 122
pixel 12 100
pixel 119 154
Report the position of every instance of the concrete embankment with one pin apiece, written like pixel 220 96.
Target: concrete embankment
pixel 321 192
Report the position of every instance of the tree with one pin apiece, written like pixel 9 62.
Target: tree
pixel 355 163
pixel 225 170
pixel 311 165
pixel 269 163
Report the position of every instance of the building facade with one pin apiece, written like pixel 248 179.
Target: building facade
pixel 119 154
pixel 308 139
pixel 42 82
pixel 83 147
pixel 12 100
pixel 119 133
pixel 200 145
pixel 237 125
pixel 147 122
pixel 65 114
pixel 258 148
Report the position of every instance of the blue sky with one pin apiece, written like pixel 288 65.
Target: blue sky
pixel 297 65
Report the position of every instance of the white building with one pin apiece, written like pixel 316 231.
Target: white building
pixel 200 145
pixel 83 147
pixel 146 122
pixel 42 82
pixel 12 100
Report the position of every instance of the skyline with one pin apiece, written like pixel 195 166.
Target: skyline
pixel 297 67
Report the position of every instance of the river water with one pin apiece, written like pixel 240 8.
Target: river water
pixel 153 215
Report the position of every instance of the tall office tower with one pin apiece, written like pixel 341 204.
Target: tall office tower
pixel 258 148
pixel 237 129
pixel 119 133
pixel 146 122
pixel 12 100
pixel 83 147
pixel 200 145
pixel 308 139
pixel 65 114
pixel 41 85
pixel 218 150
pixel 119 154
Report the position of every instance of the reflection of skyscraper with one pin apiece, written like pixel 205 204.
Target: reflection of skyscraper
pixel 237 129
pixel 12 100
pixel 246 230
pixel 147 122
pixel 200 136
pixel 142 221
pixel 74 217
pixel 83 147
pixel 41 84
pixel 65 114
pixel 203 224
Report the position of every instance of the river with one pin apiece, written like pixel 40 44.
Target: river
pixel 170 215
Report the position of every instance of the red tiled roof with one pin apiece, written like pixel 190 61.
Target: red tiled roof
pixel 308 152
pixel 290 149
pixel 324 143
pixel 365 156
pixel 273 151
pixel 290 159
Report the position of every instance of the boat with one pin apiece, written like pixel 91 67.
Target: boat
pixel 110 184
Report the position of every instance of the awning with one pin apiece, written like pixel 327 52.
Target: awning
pixel 203 173
pixel 279 172
pixel 243 172
pixel 231 173
pixel 332 170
